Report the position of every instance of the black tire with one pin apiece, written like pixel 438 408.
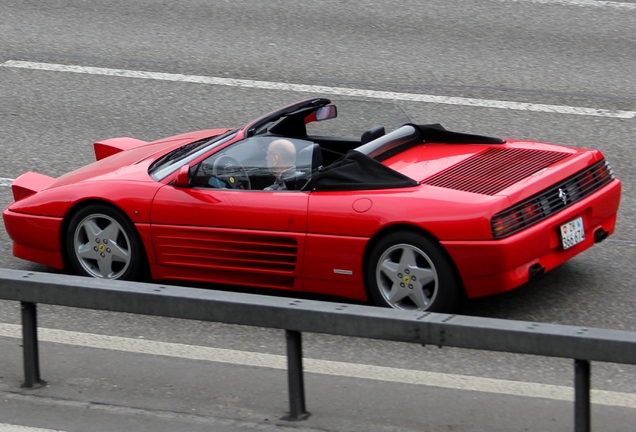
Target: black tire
pixel 409 271
pixel 101 242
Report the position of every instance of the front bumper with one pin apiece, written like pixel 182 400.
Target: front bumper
pixel 35 238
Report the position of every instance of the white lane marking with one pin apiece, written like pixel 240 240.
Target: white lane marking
pixel 5 182
pixel 324 367
pixel 16 428
pixel 324 90
pixel 583 3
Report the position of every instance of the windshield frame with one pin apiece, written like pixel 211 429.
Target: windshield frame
pixel 165 165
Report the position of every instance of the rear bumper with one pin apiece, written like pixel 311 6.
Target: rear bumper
pixel 494 266
pixel 35 238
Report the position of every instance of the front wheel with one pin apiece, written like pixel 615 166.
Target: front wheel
pixel 102 243
pixel 409 271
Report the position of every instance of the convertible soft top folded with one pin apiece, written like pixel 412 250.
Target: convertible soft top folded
pixel 357 171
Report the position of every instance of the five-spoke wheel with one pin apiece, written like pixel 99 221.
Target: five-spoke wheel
pixel 409 271
pixel 102 243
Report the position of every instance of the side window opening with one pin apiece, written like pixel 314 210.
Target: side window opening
pixel 244 165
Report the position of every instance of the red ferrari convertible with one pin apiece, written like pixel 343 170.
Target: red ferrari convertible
pixel 411 218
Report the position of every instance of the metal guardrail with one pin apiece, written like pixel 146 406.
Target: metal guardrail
pixel 296 316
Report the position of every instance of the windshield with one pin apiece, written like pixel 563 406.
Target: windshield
pixel 170 162
pixel 356 116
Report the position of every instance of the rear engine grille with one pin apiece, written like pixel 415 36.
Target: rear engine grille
pixel 493 170
pixel 552 200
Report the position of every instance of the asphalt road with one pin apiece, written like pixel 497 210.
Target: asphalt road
pixel 552 70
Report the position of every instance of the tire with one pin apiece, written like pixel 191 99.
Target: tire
pixel 408 271
pixel 101 242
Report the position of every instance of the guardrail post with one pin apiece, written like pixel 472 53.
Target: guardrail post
pixel 295 376
pixel 582 396
pixel 30 345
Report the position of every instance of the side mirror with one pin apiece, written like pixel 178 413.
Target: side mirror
pixel 183 177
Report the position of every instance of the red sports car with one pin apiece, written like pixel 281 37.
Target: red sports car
pixel 411 218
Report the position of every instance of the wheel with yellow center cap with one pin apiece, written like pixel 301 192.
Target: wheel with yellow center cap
pixel 410 271
pixel 101 242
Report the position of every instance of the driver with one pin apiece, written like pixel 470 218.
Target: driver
pixel 281 159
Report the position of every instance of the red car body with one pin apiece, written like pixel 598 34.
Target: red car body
pixel 485 214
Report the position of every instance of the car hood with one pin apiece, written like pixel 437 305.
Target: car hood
pixel 129 163
pixel 130 160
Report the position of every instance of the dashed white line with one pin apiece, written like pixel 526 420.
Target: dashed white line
pixel 323 367
pixel 581 3
pixel 16 428
pixel 323 90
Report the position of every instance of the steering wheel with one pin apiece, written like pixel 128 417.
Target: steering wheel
pixel 230 171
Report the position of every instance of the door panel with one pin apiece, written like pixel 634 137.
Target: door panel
pixel 231 236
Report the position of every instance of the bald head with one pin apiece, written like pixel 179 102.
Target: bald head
pixel 281 155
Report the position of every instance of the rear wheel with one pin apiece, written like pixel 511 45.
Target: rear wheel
pixel 101 242
pixel 409 271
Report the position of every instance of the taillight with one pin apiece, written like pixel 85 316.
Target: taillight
pixel 587 180
pixel 531 212
pixel 605 174
pixel 551 200
pixel 505 223
pixel 513 220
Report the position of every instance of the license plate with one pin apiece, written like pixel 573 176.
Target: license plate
pixel 572 233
